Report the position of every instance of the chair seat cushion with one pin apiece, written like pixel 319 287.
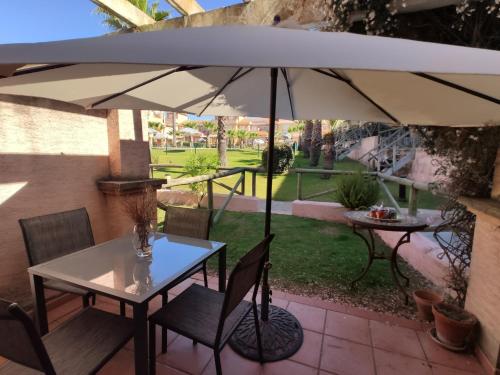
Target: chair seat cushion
pixel 65 287
pixel 83 344
pixel 195 313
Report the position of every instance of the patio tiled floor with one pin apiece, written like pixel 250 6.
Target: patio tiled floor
pixel 337 340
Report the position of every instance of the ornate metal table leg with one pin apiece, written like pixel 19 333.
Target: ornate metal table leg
pixel 371 253
pixel 395 268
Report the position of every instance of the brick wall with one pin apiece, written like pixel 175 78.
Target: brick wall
pixel 51 155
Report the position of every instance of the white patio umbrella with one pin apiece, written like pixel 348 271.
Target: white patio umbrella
pixel 225 71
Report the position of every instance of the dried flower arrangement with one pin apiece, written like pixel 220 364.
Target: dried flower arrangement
pixel 141 208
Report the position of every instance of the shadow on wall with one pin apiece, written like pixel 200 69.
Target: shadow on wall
pixel 33 185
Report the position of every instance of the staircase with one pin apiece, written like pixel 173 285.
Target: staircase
pixel 395 150
pixel 348 135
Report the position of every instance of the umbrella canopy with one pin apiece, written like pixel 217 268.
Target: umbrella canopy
pixel 224 71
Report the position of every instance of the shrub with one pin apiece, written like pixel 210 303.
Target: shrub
pixel 357 191
pixel 200 164
pixel 283 158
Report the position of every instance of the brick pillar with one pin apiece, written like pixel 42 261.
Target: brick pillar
pixel 129 165
pixel 483 294
pixel 495 192
pixel 128 145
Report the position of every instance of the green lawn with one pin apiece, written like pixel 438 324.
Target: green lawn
pixel 316 258
pixel 284 186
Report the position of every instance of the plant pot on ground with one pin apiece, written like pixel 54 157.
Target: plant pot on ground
pixel 425 298
pixel 454 325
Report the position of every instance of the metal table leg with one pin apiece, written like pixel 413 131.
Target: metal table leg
pixel 395 271
pixel 371 253
pixel 222 269
pixel 39 304
pixel 141 338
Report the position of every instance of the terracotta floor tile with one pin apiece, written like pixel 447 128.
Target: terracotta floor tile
pixel 185 356
pixel 389 363
pixel 287 368
pixel 123 364
pixel 233 363
pixel 310 351
pixel 439 355
pixel 348 327
pixel 171 336
pixel 396 339
pixel 283 303
pixel 311 318
pixel 346 357
pixel 178 289
pixel 72 306
pixel 443 370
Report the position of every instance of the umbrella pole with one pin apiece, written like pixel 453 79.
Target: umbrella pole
pixel 281 333
pixel 264 310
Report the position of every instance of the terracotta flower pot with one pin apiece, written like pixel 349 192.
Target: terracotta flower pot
pixel 424 299
pixel 454 325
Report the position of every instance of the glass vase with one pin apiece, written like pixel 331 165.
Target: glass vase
pixel 143 239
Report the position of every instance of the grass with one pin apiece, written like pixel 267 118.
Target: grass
pixel 317 258
pixel 284 186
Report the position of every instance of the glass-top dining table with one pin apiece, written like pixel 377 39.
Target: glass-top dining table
pixel 113 269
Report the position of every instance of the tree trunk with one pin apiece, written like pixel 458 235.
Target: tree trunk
pixel 328 153
pixel 221 141
pixel 315 148
pixel 306 138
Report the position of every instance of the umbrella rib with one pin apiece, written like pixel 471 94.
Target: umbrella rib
pixel 115 95
pixel 285 75
pixel 458 87
pixel 37 69
pixel 333 74
pixel 233 78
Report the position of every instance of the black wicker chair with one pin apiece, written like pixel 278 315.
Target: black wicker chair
pixel 79 346
pixel 51 236
pixel 189 222
pixel 210 317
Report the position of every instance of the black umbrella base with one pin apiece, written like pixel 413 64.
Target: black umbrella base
pixel 282 336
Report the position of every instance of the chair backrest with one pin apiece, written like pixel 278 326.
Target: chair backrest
pixel 20 341
pixel 189 222
pixel 245 275
pixel 51 236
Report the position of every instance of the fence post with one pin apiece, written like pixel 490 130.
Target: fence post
pixel 299 186
pixel 254 183
pixel 412 202
pixel 210 195
pixel 243 183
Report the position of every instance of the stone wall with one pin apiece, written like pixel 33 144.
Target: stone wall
pixel 51 155
pixel 366 144
pixel 422 168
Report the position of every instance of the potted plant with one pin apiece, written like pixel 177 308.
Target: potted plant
pixel 425 298
pixel 454 325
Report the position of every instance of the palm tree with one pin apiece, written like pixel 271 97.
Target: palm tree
pixel 242 135
pixel 315 151
pixel 221 141
pixel 116 23
pixel 306 138
pixel 231 135
pixel 328 153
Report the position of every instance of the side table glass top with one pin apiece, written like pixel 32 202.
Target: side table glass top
pixel 404 223
pixel 114 269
